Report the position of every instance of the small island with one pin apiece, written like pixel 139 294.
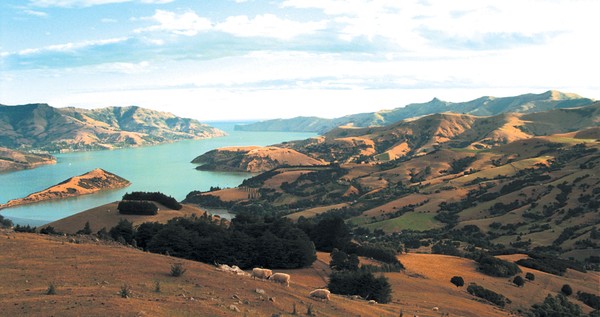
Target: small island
pixel 88 183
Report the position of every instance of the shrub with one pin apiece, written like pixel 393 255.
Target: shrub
pixel 177 269
pixel 361 283
pixel 5 223
pixel 458 281
pixel 496 267
pixel 558 306
pixel 123 230
pixel 158 197
pixel 125 291
pixel 342 261
pixel 27 228
pixel 487 294
pixel 157 287
pixel 519 281
pixel 51 289
pixel 591 300
pixel 530 276
pixel 86 229
pixel 49 230
pixel 566 290
pixel 379 253
pixel 137 207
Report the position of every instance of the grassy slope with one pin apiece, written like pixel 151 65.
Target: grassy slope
pixel 89 275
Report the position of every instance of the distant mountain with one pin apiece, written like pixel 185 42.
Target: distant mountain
pixel 443 130
pixel 42 127
pixel 88 183
pixel 11 160
pixel 484 106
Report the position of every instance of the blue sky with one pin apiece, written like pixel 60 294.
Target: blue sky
pixel 247 59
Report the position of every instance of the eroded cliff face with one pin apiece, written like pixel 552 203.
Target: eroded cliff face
pixel 253 159
pixel 88 183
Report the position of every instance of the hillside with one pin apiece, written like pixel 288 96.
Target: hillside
pixel 107 216
pixel 484 106
pixel 11 160
pixel 102 269
pixel 254 159
pixel 88 183
pixel 42 127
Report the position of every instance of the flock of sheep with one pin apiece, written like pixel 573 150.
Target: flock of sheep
pixel 283 278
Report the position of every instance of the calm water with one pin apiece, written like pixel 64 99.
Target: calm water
pixel 164 168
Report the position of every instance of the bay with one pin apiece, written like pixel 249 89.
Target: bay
pixel 165 168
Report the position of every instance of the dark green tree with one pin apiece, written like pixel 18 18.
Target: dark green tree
pixel 558 306
pixel 458 281
pixel 566 290
pixel 342 261
pixel 519 281
pixel 331 233
pixel 361 283
pixel 86 229
pixel 123 229
pixel 530 276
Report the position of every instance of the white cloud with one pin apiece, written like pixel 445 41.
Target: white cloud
pixel 88 3
pixel 268 25
pixel 36 13
pixel 69 47
pixel 187 23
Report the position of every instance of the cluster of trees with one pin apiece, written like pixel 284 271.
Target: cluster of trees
pixel 158 197
pixel 247 242
pixel 5 223
pixel 491 296
pixel 497 267
pixel 137 207
pixel 558 306
pixel 362 283
pixel 549 264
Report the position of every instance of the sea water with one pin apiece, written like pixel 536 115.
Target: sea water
pixel 165 168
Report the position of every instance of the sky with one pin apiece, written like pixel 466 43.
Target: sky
pixel 249 59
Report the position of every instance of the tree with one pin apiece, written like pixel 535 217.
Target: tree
pixel 566 290
pixel 86 229
pixel 530 276
pixel 519 281
pixel 458 281
pixel 123 229
pixel 558 306
pixel 5 223
pixel 342 261
pixel 331 233
pixel 361 283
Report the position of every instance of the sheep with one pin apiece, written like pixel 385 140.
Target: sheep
pixel 261 273
pixel 281 278
pixel 320 293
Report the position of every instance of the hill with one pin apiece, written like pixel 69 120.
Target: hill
pixel 88 183
pixel 107 216
pixel 484 106
pixel 11 160
pixel 252 159
pixel 42 127
pixel 89 274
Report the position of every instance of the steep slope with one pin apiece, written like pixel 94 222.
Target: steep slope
pixel 252 159
pixel 88 183
pixel 484 106
pixel 42 127
pixel 11 160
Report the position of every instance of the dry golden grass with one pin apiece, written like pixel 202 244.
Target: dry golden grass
pixel 88 277
pixel 315 211
pixel 107 216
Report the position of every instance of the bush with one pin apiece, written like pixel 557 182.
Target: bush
pixel 158 197
pixel 125 291
pixel 123 230
pixel 496 267
pixel 566 290
pixel 27 228
pixel 558 306
pixel 137 207
pixel 5 223
pixel 177 269
pixel 342 261
pixel 519 281
pixel 51 289
pixel 361 283
pixel 530 276
pixel 487 294
pixel 379 253
pixel 49 230
pixel 86 229
pixel 458 281
pixel 589 299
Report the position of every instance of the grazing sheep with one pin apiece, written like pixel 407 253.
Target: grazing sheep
pixel 320 293
pixel 281 278
pixel 261 273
